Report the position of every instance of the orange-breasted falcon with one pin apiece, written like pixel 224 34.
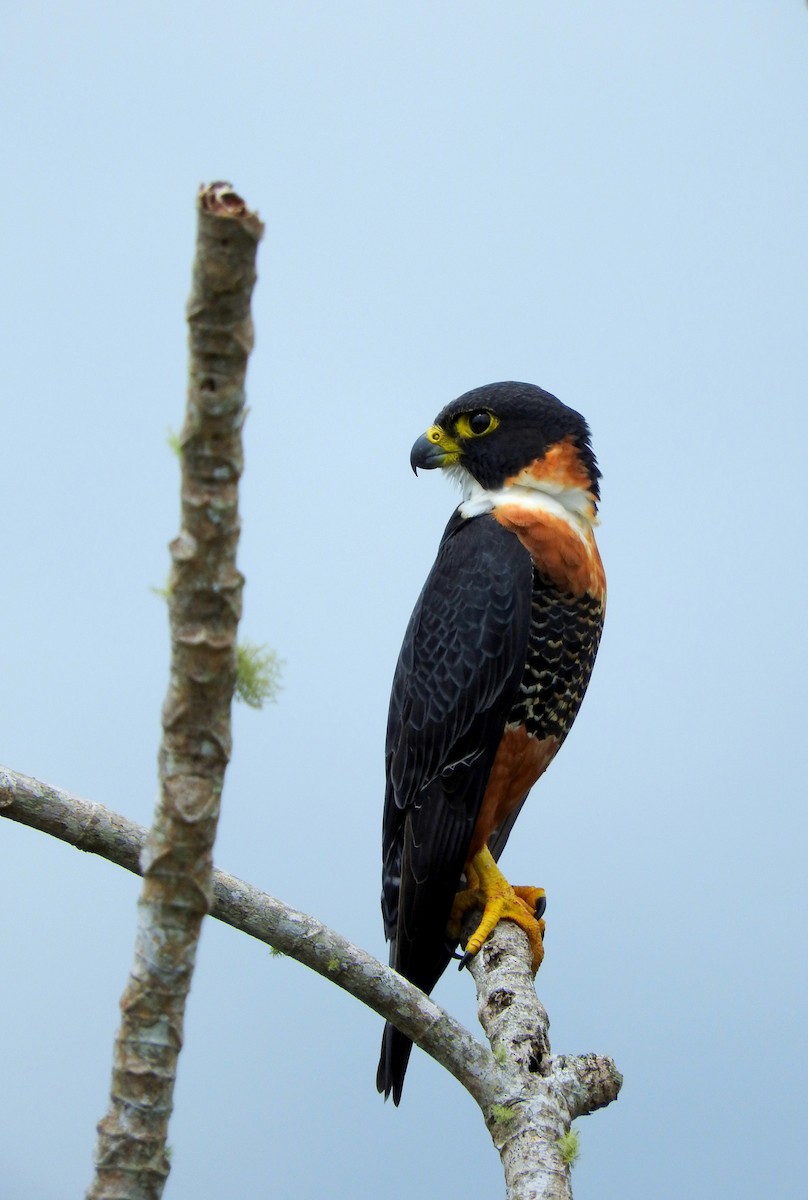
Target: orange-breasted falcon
pixel 494 666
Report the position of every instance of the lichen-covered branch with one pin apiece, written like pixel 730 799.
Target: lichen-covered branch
pixel 537 1096
pixel 204 605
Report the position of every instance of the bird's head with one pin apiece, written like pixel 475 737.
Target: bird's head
pixel 511 433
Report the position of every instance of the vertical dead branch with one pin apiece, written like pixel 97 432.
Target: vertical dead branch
pixel 204 609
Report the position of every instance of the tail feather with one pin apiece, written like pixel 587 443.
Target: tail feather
pixel 395 1055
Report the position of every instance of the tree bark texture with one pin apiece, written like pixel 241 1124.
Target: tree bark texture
pixel 534 1097
pixel 527 1096
pixel 204 608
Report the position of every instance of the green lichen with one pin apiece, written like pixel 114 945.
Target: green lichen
pixel 258 675
pixel 569 1147
pixel 333 963
pixel 502 1113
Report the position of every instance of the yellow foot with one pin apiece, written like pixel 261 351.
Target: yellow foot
pixel 489 890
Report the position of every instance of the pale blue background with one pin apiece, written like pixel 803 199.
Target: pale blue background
pixel 608 200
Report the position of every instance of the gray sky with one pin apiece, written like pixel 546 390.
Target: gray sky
pixel 606 200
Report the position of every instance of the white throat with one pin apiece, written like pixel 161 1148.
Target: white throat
pixel 571 504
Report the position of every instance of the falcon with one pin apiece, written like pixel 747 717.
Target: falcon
pixel 493 668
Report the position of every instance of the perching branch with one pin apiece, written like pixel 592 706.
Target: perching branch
pixel 204 604
pixel 528 1098
pixel 537 1096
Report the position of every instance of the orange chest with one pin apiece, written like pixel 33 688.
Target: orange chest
pixel 567 556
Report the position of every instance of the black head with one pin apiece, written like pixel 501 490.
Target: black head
pixel 496 431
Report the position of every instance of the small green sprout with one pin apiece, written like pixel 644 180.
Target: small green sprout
pixel 163 592
pixel 174 442
pixel 569 1147
pixel 258 674
pixel 276 953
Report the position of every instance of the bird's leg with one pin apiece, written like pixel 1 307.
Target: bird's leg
pixel 489 890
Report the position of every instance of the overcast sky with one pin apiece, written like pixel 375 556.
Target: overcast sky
pixel 608 200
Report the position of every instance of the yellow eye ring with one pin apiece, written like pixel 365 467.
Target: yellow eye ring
pixel 476 424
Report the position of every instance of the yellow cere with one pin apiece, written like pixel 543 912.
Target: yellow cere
pixel 441 438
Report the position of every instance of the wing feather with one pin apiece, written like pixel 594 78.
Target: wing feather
pixel 457 677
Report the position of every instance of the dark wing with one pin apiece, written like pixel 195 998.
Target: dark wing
pixel 457 677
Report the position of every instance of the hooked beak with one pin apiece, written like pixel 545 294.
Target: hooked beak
pixel 434 449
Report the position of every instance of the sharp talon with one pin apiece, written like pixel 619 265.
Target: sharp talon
pixel 465 959
pixel 541 908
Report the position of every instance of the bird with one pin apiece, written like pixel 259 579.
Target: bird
pixel 494 665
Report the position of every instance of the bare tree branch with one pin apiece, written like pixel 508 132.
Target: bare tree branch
pixel 204 605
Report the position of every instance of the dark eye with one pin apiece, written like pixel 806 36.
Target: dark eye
pixel 479 421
